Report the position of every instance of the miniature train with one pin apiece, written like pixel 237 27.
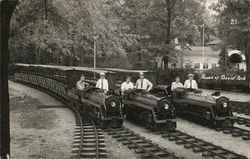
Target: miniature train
pixel 106 108
pixel 157 107
pixel 149 108
pixel 213 110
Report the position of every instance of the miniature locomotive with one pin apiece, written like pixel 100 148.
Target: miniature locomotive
pixel 149 109
pixel 61 80
pixel 213 110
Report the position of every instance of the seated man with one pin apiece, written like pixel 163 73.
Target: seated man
pixel 81 84
pixel 176 84
pixel 127 85
pixel 143 83
pixel 102 83
pixel 190 82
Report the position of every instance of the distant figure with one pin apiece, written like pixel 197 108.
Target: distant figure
pixel 80 85
pixel 127 84
pixel 176 84
pixel 102 83
pixel 190 82
pixel 143 83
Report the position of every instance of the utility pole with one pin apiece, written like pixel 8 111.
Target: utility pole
pixel 7 8
pixel 94 52
pixel 203 44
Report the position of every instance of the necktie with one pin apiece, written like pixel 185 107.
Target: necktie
pixel 190 83
pixel 141 83
pixel 102 84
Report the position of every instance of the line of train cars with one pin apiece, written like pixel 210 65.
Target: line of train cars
pixel 61 80
pixel 157 108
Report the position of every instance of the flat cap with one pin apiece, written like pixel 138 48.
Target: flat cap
pixel 190 74
pixel 102 74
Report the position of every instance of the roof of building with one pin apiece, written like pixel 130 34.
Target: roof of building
pixel 198 50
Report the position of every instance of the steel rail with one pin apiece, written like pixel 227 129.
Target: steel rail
pixel 126 130
pixel 199 143
pixel 96 140
pixel 66 102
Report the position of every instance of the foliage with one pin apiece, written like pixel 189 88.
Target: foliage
pixel 64 32
pixel 234 25
pixel 224 61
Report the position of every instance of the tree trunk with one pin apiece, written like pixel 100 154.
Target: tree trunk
pixel 247 51
pixel 169 20
pixel 7 8
pixel 168 36
pixel 45 9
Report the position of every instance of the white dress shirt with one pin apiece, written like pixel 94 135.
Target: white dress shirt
pixel 190 84
pixel 102 84
pixel 126 86
pixel 143 84
pixel 176 85
pixel 80 85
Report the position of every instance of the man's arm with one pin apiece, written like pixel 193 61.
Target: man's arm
pixel 97 84
pixel 150 85
pixel 122 87
pixel 196 85
pixel 136 84
pixel 132 85
pixel 106 85
pixel 181 84
pixel 185 84
pixel 172 86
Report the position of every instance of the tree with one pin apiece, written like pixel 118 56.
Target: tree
pixel 162 21
pixel 7 8
pixel 224 60
pixel 234 25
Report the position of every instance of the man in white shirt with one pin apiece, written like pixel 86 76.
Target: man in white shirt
pixel 102 83
pixel 190 82
pixel 143 83
pixel 127 85
pixel 80 85
pixel 176 84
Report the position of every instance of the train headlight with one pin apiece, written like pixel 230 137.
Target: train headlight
pixel 166 106
pixel 113 104
pixel 224 104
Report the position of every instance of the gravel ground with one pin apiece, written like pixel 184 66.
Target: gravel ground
pixel 179 150
pixel 218 138
pixel 118 150
pixel 38 133
pixel 233 96
pixel 241 115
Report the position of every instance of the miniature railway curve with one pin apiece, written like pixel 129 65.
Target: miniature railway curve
pixel 197 145
pixel 142 146
pixel 80 146
pixel 89 141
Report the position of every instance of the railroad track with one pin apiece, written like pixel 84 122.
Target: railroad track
pixel 89 141
pixel 240 107
pixel 198 145
pixel 236 132
pixel 243 121
pixel 146 148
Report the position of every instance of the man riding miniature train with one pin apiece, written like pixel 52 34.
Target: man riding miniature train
pixel 143 83
pixel 190 83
